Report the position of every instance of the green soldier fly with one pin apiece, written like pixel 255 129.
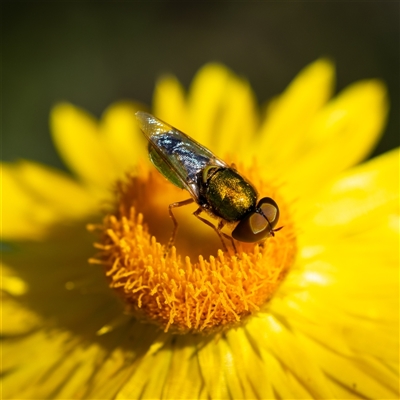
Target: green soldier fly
pixel 217 188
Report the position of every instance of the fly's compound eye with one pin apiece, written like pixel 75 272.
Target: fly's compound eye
pixel 259 224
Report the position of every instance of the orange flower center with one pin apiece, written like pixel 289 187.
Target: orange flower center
pixel 196 287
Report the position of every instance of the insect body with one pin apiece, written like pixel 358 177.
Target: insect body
pixel 215 186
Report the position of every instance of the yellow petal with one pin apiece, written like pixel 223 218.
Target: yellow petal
pixel 148 380
pixel 283 132
pixel 79 367
pixel 77 138
pixel 356 200
pixel 121 135
pixel 223 111
pixel 17 219
pixel 36 196
pixel 24 378
pixel 342 134
pixel 114 367
pixel 11 283
pixel 234 382
pixel 184 380
pixel 237 122
pixel 19 319
pixel 355 277
pixel 169 103
pixel 366 377
pixel 55 189
pixel 111 373
pixel 251 370
pixel 206 97
pixel 354 326
pixel 275 339
pixel 210 362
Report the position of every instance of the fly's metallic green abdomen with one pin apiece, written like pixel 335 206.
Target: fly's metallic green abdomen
pixel 229 195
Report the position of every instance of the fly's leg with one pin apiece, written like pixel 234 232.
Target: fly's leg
pixel 217 229
pixel 221 224
pixel 171 214
pixel 197 215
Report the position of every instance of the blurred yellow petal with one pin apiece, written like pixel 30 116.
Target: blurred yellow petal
pixel 169 103
pixel 19 320
pixel 11 283
pixel 121 135
pixel 223 111
pixel 284 130
pixel 341 119
pixel 17 219
pixel 36 196
pixel 78 141
pixel 206 99
pixel 55 189
pixel 357 200
pixel 237 121
pixel 342 134
pixel 31 373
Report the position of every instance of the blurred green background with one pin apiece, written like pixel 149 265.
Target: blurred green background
pixel 93 53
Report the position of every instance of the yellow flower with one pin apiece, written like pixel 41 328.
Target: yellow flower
pixel 329 330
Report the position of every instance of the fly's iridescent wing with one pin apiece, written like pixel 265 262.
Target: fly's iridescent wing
pixel 176 155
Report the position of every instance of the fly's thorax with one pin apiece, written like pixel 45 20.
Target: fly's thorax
pixel 227 194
